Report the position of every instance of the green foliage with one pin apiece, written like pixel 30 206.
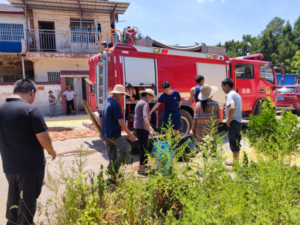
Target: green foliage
pixel 295 63
pixel 274 137
pixel 201 191
pixel 237 48
pixel 278 43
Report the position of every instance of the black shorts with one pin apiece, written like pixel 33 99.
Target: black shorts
pixel 234 135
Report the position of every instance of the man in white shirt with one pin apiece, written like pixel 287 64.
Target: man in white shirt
pixel 233 110
pixel 69 95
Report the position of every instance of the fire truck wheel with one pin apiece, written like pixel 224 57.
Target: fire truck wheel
pixel 258 109
pixel 186 121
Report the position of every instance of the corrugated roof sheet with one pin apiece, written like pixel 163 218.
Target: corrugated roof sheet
pixel 93 6
pixel 10 8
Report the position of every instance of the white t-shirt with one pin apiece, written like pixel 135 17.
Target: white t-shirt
pixel 233 97
pixel 69 95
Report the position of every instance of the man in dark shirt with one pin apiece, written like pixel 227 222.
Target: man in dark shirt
pixel 111 122
pixel 23 138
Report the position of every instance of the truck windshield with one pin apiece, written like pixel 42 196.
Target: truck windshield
pixel 266 73
pixel 286 90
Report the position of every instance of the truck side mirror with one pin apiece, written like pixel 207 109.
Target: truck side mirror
pixel 282 80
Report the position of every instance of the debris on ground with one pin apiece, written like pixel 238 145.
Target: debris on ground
pixel 65 135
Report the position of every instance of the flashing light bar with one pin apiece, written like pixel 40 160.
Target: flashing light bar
pixel 215 57
pixel 165 51
pixel 254 57
pixel 209 56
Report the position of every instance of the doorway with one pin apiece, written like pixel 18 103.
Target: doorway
pixel 47 36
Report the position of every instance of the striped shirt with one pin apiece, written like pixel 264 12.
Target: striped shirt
pixel 204 119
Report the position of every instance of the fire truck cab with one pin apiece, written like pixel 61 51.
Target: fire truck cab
pixel 141 67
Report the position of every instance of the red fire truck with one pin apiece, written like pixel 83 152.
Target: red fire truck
pixel 138 67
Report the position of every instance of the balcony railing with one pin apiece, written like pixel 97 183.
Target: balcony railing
pixel 63 41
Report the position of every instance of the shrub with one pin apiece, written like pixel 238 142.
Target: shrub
pixel 274 136
pixel 200 191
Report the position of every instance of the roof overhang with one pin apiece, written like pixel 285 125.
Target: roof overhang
pixel 91 6
pixel 74 73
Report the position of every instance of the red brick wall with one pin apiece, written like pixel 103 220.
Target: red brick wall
pixel 63 88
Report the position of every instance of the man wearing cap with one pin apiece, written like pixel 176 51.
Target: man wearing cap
pixel 69 95
pixel 111 122
pixel 142 126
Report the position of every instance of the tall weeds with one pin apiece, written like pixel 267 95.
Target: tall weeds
pixel 200 191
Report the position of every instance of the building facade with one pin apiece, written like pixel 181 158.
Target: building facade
pixel 58 39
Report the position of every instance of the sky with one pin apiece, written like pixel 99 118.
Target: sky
pixel 185 22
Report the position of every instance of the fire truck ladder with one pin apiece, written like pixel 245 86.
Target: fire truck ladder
pixel 101 81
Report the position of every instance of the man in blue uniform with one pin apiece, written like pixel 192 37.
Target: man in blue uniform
pixel 172 101
pixel 196 90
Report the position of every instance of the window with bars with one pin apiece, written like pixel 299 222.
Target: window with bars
pixel 13 78
pixel 53 76
pixel 70 82
pixel 11 32
pixel 85 34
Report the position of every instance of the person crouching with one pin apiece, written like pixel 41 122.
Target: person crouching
pixel 142 126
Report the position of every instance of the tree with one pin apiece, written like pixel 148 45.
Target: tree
pixel 296 31
pixel 288 44
pixel 295 64
pixel 266 45
pixel 274 30
pixel 276 26
pixel 252 42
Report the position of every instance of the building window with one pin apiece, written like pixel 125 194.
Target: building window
pixel 53 76
pixel 70 82
pixel 244 71
pixel 266 73
pixel 11 32
pixel 14 78
pixel 86 34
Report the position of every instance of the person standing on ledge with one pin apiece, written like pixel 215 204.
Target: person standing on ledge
pixel 233 110
pixel 69 95
pixel 23 138
pixel 195 91
pixel 172 101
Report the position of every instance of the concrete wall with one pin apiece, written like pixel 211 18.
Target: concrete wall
pixel 41 99
pixel 13 18
pixel 44 65
pixel 10 64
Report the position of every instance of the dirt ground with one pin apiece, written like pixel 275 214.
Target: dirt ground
pixel 96 154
